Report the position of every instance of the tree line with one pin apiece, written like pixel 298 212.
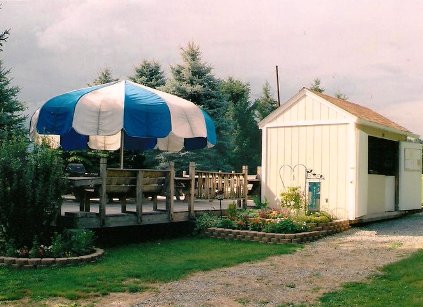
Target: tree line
pixel 228 101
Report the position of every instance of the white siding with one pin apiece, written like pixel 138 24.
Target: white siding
pixel 322 148
pixel 362 173
pixel 309 108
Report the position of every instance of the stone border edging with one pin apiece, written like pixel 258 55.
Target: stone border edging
pixel 32 263
pixel 321 230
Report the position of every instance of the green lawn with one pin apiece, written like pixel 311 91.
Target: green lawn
pixel 401 284
pixel 132 268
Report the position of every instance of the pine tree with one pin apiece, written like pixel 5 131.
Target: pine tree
pixel 266 104
pixel 340 95
pixel 245 133
pixel 3 37
pixel 315 86
pixel 149 73
pixel 104 76
pixel 193 80
pixel 11 118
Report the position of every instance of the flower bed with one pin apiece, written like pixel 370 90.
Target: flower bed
pixel 316 232
pixel 31 263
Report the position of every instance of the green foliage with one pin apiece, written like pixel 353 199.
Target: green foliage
pixel 265 104
pixel 104 76
pixel 314 217
pixel 149 73
pixel 226 223
pixel 81 241
pixel 193 80
pixel 58 246
pixel 256 224
pixel 400 284
pixel 258 204
pixel 293 199
pixel 245 132
pixel 10 248
pixel 232 211
pixel 141 264
pixel 205 221
pixel 315 86
pixel 11 118
pixel 31 184
pixel 3 37
pixel 285 226
pixel 34 252
pixel 342 96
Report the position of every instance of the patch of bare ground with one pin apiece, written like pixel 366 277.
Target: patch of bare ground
pixel 302 277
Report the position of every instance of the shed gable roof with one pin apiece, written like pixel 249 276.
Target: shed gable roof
pixel 361 112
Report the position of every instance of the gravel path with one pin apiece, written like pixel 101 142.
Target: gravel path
pixel 302 277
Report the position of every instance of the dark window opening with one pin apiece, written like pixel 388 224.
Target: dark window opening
pixel 383 156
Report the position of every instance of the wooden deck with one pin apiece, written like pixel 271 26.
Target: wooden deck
pixel 133 197
pixel 72 217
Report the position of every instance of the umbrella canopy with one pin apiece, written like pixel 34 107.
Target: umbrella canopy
pixel 106 116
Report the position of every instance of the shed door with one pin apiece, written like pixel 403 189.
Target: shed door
pixel 410 176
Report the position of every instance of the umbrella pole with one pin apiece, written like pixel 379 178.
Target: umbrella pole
pixel 121 149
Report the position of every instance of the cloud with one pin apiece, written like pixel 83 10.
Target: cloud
pixel 368 50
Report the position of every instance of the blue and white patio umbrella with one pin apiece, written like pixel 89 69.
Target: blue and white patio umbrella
pixel 105 116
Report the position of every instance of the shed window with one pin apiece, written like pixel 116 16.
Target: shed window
pixel 383 156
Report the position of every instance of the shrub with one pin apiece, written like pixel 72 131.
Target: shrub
pixel 232 211
pixel 293 199
pixel 285 226
pixel 314 217
pixel 226 223
pixel 31 183
pixel 256 224
pixel 81 242
pixel 205 221
pixel 258 204
pixel 58 246
pixel 34 252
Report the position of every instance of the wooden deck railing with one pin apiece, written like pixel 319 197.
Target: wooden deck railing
pixel 228 185
pixel 141 183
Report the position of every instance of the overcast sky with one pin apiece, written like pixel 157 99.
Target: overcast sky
pixel 372 51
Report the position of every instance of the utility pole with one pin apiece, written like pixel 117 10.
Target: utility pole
pixel 277 85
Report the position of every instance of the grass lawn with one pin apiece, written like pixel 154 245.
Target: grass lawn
pixel 401 284
pixel 132 268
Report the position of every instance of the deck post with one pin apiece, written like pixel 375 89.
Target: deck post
pixel 191 190
pixel 171 192
pixel 139 199
pixel 103 194
pixel 245 186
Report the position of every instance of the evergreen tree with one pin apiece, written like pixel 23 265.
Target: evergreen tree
pixel 266 104
pixel 11 118
pixel 149 73
pixel 194 81
pixel 245 133
pixel 104 76
pixel 3 37
pixel 315 86
pixel 342 96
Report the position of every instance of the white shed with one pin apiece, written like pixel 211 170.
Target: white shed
pixel 368 164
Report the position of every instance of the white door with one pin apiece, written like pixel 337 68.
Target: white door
pixel 410 176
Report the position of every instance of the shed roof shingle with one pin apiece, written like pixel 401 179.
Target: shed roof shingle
pixel 361 112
